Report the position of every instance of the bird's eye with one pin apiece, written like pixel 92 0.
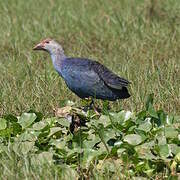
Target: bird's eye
pixel 47 42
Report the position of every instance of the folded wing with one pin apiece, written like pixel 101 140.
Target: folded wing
pixel 112 80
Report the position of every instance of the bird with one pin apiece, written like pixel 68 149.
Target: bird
pixel 85 77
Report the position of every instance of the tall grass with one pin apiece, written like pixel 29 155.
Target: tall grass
pixel 139 40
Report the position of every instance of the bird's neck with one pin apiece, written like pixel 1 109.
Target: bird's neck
pixel 57 57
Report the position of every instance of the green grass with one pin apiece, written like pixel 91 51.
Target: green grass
pixel 139 40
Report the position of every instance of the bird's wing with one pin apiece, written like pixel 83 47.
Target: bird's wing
pixel 110 79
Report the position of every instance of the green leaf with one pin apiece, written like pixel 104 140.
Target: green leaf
pixel 105 120
pixel 10 118
pixel 54 130
pixel 145 125
pixel 27 119
pixel 164 151
pixel 120 151
pixel 3 124
pixel 149 101
pixel 58 143
pixel 63 121
pixel 144 151
pixel 133 139
pixel 161 140
pixel 16 128
pixel 88 156
pixel 175 149
pixel 39 125
pixel 152 111
pixel 170 132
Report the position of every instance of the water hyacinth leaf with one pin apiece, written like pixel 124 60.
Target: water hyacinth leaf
pixel 39 125
pixel 88 156
pixel 90 143
pixel 144 151
pixel 54 130
pixel 145 125
pixel 171 132
pixel 26 119
pixel 10 118
pixel 162 117
pixel 149 100
pixel 64 122
pixel 3 124
pixel 16 128
pixel 118 117
pixel 39 115
pixel 58 143
pixel 133 139
pixel 120 151
pixel 6 132
pixel 161 140
pixel 152 111
pixel 105 120
pixel 175 149
pixel 164 150
pixel 26 136
pixel 141 115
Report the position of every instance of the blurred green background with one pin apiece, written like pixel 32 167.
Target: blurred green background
pixel 137 39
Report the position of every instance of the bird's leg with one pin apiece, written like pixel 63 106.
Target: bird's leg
pixel 87 106
pixel 91 105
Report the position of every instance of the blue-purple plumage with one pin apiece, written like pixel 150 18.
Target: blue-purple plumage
pixel 88 78
pixel 85 77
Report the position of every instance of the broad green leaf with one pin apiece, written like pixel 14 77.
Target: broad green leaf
pixel 26 119
pixel 10 118
pixel 174 148
pixel 120 151
pixel 58 143
pixel 3 124
pixel 161 140
pixel 149 101
pixel 54 130
pixel 64 122
pixel 39 125
pixel 88 156
pixel 152 111
pixel 17 128
pixel 105 120
pixel 145 125
pixel 26 136
pixel 170 132
pixel 164 151
pixel 144 151
pixel 133 139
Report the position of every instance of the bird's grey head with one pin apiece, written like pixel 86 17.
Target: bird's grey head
pixel 50 46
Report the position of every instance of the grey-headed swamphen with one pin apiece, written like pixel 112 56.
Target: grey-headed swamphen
pixel 85 77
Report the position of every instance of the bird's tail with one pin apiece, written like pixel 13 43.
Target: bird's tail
pixel 123 93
